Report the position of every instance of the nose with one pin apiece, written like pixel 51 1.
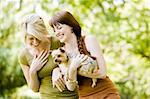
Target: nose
pixel 56 60
pixel 57 33
pixel 35 41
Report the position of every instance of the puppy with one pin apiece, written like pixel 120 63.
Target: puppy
pixel 62 60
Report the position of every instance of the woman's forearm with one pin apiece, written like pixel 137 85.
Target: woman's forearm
pixel 93 75
pixel 71 82
pixel 72 74
pixel 34 81
pixel 71 85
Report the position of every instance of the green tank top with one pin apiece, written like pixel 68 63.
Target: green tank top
pixel 46 89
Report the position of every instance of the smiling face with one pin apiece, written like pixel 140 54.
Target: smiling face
pixel 62 32
pixel 32 41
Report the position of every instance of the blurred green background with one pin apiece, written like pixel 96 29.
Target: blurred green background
pixel 122 28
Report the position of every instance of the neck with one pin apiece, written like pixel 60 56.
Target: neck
pixel 71 45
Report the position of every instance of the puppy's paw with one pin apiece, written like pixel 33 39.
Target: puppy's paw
pixel 94 82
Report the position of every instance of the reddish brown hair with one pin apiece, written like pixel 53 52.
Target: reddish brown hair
pixel 65 17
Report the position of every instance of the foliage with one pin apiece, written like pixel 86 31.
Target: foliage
pixel 11 75
pixel 122 28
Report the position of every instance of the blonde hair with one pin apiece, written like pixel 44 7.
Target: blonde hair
pixel 34 25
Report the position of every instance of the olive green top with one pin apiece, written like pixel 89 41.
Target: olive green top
pixel 45 75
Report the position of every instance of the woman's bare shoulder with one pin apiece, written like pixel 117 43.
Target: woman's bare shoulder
pixel 90 38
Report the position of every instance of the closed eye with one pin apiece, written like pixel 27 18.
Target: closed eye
pixel 30 38
pixel 59 27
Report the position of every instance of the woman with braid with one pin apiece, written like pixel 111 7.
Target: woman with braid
pixel 68 31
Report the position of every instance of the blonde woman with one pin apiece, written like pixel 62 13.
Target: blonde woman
pixel 36 62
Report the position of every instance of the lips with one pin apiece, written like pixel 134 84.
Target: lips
pixel 35 45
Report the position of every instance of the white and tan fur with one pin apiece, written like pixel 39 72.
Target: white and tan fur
pixel 63 61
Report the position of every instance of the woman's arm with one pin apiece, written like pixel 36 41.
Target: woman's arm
pixel 71 82
pixel 31 78
pixel 30 72
pixel 57 79
pixel 93 47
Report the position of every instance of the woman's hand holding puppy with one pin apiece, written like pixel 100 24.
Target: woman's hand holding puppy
pixel 75 64
pixel 76 61
pixel 57 79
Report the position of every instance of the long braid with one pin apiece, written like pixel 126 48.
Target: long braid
pixel 82 48
pixel 80 45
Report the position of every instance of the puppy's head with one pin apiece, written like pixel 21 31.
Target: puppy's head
pixel 59 56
